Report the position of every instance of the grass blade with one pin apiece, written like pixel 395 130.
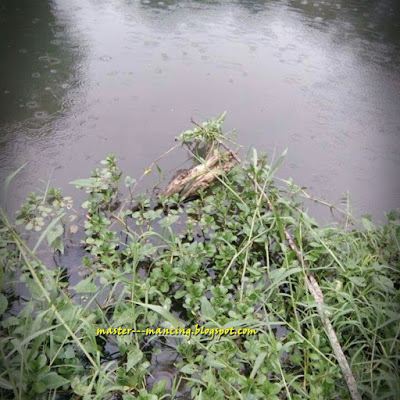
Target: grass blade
pixel 8 181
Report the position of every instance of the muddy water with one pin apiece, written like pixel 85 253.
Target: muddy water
pixel 83 78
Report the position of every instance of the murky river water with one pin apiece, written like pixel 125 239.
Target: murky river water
pixel 83 78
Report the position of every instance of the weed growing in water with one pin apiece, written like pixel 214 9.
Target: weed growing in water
pixel 220 260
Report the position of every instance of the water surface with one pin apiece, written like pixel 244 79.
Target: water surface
pixel 83 78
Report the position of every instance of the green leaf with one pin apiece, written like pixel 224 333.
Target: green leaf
pixel 358 281
pixel 5 384
pixel 164 313
pixel 206 308
pixel 168 221
pixel 79 387
pixel 129 181
pixel 159 388
pixel 53 234
pixel 53 381
pixel 237 323
pixel 368 225
pixel 257 364
pixel 9 179
pixel 279 275
pixel 243 207
pixel 280 226
pixel 3 304
pixel 383 281
pixel 277 164
pixel 89 182
pixel 164 287
pixel 189 369
pixel 69 352
pixel 39 387
pixel 34 289
pixel 134 356
pixel 85 286
pixel 221 118
pixel 212 362
pixel 180 293
pixel 286 348
pixel 41 360
pixel 47 230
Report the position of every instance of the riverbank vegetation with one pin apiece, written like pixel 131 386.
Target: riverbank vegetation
pixel 237 252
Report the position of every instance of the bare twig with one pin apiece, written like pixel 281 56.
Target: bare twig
pixel 149 168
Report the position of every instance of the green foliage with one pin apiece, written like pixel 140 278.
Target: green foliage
pixel 205 133
pixel 218 261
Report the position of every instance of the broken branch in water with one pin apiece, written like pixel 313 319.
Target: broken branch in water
pixel 187 183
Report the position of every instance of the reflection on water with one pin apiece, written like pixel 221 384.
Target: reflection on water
pixel 39 62
pixel 82 78
pixel 39 75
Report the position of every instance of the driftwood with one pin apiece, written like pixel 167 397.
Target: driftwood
pixel 201 176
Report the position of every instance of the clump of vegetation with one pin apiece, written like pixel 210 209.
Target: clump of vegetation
pixel 220 260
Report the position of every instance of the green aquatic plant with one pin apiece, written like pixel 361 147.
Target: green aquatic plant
pixel 219 260
pixel 207 132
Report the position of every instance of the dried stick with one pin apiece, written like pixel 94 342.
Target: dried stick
pixel 312 286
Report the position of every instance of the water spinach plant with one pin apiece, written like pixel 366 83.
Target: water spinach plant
pixel 219 260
